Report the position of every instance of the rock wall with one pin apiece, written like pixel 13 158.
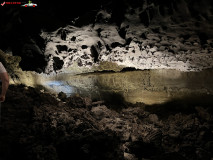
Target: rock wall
pixel 145 34
pixel 149 87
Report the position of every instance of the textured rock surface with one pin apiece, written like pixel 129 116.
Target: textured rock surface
pixel 148 86
pixel 177 41
pixel 140 34
pixel 97 36
pixel 36 125
pixel 163 50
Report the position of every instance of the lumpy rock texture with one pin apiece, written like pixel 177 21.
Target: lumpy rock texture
pixel 148 35
pixel 145 34
pixel 37 125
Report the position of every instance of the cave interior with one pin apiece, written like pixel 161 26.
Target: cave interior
pixel 107 80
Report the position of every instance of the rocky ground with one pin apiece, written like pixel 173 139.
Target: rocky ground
pixel 39 126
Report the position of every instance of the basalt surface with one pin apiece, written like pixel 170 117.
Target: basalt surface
pixel 59 38
pixel 140 34
pixel 148 86
pixel 40 126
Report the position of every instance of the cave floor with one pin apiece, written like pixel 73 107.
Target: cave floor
pixel 37 125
